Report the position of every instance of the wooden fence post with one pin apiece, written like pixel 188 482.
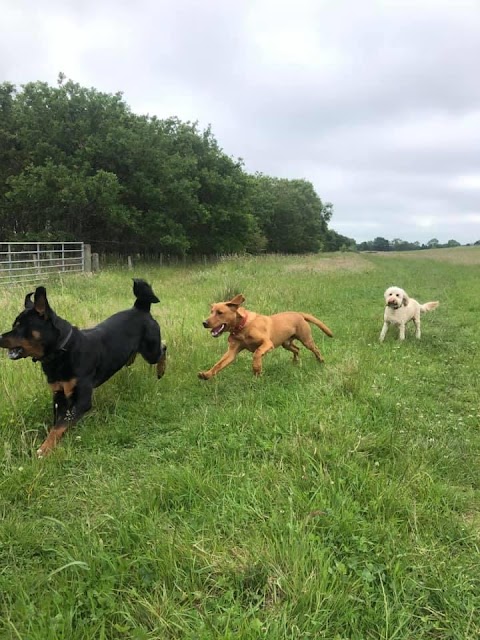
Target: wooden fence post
pixel 87 258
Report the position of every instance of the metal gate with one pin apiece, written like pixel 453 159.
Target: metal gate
pixel 24 262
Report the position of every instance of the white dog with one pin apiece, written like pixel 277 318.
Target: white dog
pixel 400 309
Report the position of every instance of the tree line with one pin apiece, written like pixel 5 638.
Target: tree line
pixel 78 164
pixel 397 244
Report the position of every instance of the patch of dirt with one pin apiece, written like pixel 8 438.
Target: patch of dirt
pixel 342 262
pixel 473 520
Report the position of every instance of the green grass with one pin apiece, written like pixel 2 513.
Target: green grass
pixel 337 501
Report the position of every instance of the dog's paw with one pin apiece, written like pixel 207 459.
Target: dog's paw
pixel 204 375
pixel 162 363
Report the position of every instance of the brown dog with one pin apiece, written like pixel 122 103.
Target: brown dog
pixel 259 334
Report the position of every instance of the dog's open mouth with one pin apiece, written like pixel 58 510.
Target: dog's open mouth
pixel 16 353
pixel 218 330
pixel 393 304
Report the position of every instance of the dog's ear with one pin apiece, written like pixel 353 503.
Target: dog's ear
pixel 28 300
pixel 405 299
pixel 40 302
pixel 236 301
pixel 242 312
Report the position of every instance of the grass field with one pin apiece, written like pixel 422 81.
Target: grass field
pixel 337 501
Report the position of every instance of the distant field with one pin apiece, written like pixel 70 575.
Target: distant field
pixel 339 501
pixel 454 255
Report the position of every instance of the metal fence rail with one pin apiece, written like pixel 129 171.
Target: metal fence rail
pixel 24 262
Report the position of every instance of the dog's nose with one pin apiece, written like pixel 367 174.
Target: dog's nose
pixel 205 324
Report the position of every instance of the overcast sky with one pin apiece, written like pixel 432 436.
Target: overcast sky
pixel 376 103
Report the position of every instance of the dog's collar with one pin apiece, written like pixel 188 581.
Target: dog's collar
pixel 240 325
pixel 64 342
pixel 60 347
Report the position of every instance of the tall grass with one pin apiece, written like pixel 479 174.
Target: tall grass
pixel 336 501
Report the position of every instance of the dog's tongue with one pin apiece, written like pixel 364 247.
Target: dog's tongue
pixel 216 332
pixel 15 354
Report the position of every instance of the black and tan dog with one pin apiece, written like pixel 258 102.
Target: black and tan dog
pixel 77 361
pixel 258 333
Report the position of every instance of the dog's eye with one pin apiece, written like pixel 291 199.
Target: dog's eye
pixel 220 313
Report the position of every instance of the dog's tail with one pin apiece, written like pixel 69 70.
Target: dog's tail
pixel 144 295
pixel 317 323
pixel 428 306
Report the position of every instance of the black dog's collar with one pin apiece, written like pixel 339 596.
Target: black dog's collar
pixel 60 347
pixel 64 342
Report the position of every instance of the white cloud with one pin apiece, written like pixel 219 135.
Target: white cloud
pixel 466 182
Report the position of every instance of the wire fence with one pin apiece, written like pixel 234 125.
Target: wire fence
pixel 25 262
